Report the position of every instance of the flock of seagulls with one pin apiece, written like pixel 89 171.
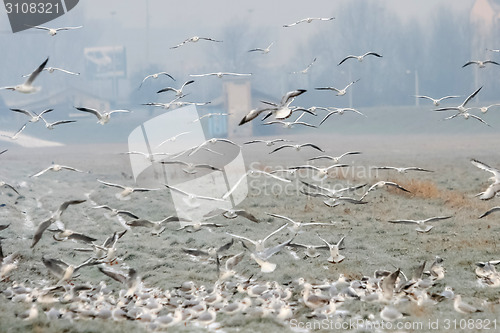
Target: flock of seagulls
pixel 234 289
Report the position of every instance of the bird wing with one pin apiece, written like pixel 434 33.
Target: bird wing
pixel 313 146
pixel 41 172
pixel 65 205
pixel 247 215
pixel 486 167
pixel 29 114
pixel 111 184
pixel 226 246
pixel 478 118
pixel 437 218
pixel 140 223
pixel 404 221
pixel 471 96
pixel 59 122
pixel 243 238
pixel 492 210
pixel 348 57
pixel 36 72
pixel 281 217
pixel 39 231
pixel 234 260
pixel 372 53
pixel 289 96
pixel 469 63
pixel 274 232
pixel 93 111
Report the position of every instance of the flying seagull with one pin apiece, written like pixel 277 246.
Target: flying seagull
pixel 155 76
pixel 309 20
pixel 461 107
pixel 103 117
pixel 306 70
pixel 27 87
pixel 360 58
pixel 127 190
pixel 55 168
pixel 220 74
pixel 178 92
pixel 263 51
pixel 494 188
pixel 335 159
pixel 34 117
pixel 53 31
pixel 422 227
pixel 436 101
pixel 481 63
pixel 195 39
pixel 297 147
pixel 381 184
pixel 340 92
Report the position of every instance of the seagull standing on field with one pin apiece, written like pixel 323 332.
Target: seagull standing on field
pixel 360 58
pixel 27 87
pixel 103 117
pixel 53 31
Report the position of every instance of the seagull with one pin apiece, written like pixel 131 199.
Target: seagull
pixel 148 156
pixel 115 212
pixel 50 126
pixel 2 183
pixel 461 107
pixel 220 74
pixel 195 39
pixel 306 70
pixel 309 20
pixel 281 111
pixel 334 200
pixel 309 250
pixel 339 111
pixel 157 226
pixel 196 226
pixel 155 76
pixel 331 192
pixel 491 210
pixel 231 214
pixel 298 147
pixel 56 216
pixel 480 63
pixel 361 57
pixel 340 92
pixel 296 226
pixel 191 198
pixel 27 87
pixel 289 124
pixel 335 256
pixel 34 117
pixel 53 69
pixel 127 191
pixel 16 135
pixel 103 117
pixel 466 116
pixel 401 170
pixel 191 168
pixel 493 50
pixel 250 173
pixel 492 190
pixel 178 92
pixel 436 101
pixel 55 168
pixel 335 159
pixel 228 270
pixel 173 138
pixel 259 244
pixel 211 141
pixel 210 115
pixel 53 31
pixel 263 51
pixel 267 142
pixel 381 184
pixel 321 172
pixel 422 227
pixel 463 307
pixel 175 103
pixel 485 109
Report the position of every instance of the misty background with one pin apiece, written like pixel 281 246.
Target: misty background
pixel 424 47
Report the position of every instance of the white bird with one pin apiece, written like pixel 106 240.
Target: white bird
pixel 155 76
pixel 339 111
pixel 466 116
pixel 380 184
pixel 436 101
pixel 211 141
pixel 494 188
pixel 281 110
pixel 360 58
pixel 191 198
pixel 491 210
pixel 463 307
pixel 102 117
pixel 321 172
pixel 335 159
pixel 210 115
pixel 461 107
pixel 263 51
pixel 195 39
pixel 481 63
pixel 306 70
pixel 34 117
pixel 173 138
pixel 251 173
pixel 332 192
pixel 53 31
pixel 485 109
pixel 260 243
pixel 157 226
pixel 298 147
pixel 191 168
pixel 421 224
pixel 297 226
pixel 267 142
pixel 231 214
pixel 27 87
pixel 335 256
pixel 175 103
pixel 53 69
pixel 114 212
pixel 220 74
pixel 340 92
pixel 148 156
pixel 309 20
pixel 50 126
pixel 289 124
pixel 493 50
pixel 401 170
pixel 178 92
pixel 127 190
pixel 16 135
pixel 55 168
